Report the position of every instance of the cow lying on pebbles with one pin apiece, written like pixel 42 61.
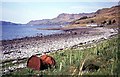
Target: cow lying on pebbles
pixel 40 63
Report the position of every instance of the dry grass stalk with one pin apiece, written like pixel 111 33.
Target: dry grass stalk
pixel 74 71
pixel 60 66
pixel 80 71
pixel 70 58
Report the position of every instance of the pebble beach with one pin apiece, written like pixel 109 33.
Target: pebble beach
pixel 28 46
pixel 17 51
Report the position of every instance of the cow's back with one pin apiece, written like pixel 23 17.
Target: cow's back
pixel 34 62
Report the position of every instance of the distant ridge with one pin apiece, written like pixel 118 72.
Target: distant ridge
pixel 101 16
pixel 8 23
pixel 63 18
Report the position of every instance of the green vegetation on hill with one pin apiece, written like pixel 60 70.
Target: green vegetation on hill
pixel 105 16
pixel 71 61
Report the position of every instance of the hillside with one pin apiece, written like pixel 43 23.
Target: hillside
pixel 101 16
pixel 105 16
pixel 63 18
pixel 8 23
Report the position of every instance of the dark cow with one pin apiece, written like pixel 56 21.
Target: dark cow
pixel 47 61
pixel 40 63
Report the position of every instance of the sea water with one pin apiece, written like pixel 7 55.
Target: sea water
pixel 10 32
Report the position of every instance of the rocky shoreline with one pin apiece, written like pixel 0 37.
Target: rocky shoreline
pixel 20 49
pixel 25 47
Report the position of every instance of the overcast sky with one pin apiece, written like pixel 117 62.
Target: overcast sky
pixel 25 11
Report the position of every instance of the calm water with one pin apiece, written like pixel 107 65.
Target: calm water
pixel 19 31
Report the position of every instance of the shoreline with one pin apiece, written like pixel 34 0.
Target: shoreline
pixel 25 47
pixel 21 49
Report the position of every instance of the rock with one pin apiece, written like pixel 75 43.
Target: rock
pixel 90 67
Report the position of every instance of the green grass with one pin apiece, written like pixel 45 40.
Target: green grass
pixel 70 61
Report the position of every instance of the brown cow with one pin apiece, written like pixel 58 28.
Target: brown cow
pixel 47 61
pixel 40 63
pixel 34 62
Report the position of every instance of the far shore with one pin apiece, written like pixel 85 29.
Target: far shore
pixel 63 28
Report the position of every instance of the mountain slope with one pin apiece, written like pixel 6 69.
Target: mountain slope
pixel 63 18
pixel 102 16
